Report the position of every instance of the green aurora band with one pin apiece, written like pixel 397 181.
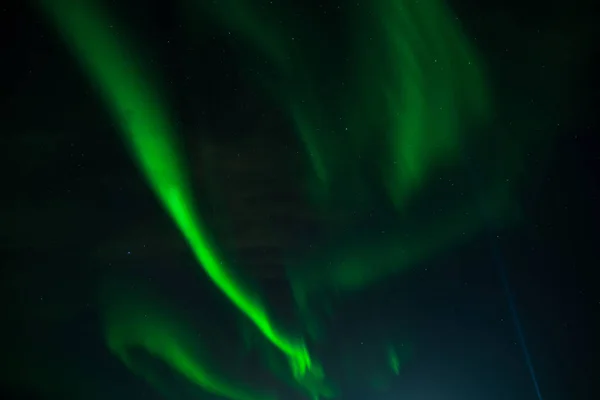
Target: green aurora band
pixel 144 121
pixel 396 108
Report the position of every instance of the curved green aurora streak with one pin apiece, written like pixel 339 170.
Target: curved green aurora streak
pixel 410 80
pixel 144 122
pixel 137 319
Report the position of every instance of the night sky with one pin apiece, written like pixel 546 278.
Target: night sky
pixel 301 199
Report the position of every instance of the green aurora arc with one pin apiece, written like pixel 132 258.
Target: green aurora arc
pixel 144 122
pixel 417 92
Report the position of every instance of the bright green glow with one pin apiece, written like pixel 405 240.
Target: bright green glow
pixel 135 321
pixel 142 117
pixel 298 354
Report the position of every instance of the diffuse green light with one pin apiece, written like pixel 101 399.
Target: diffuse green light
pixel 356 263
pixel 393 360
pixel 403 97
pixel 420 84
pixel 135 320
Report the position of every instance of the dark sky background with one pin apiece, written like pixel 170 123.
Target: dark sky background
pixel 76 209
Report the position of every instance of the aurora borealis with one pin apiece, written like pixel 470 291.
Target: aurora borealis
pixel 286 208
